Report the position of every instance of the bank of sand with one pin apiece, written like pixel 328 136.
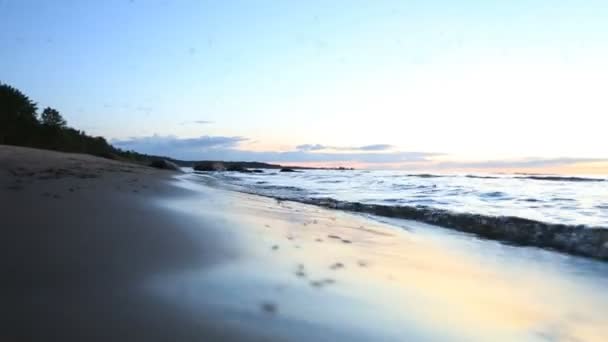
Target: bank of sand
pixel 93 249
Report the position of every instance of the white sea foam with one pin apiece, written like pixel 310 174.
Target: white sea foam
pixel 546 198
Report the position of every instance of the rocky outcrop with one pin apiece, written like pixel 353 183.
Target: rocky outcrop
pixel 210 166
pixel 237 168
pixel 221 166
pixel 286 169
pixel 164 165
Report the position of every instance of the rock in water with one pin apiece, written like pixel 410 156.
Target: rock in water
pixel 164 165
pixel 210 166
pixel 237 168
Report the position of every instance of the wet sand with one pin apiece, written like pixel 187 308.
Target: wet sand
pixel 99 250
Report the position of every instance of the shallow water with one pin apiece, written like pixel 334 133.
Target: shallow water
pixel 420 282
pixel 551 199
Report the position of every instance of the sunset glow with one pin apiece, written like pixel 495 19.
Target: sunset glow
pixel 467 82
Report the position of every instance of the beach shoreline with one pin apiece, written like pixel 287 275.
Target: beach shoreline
pixel 590 242
pixel 103 250
pixel 80 237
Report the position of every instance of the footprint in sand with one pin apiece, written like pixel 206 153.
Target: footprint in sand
pixel 322 282
pixel 337 266
pixel 268 307
pixel 339 238
pixel 362 263
pixel 300 272
pixel 275 247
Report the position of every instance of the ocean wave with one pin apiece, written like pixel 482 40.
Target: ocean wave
pixel 493 194
pixel 425 175
pixel 281 187
pixel 431 204
pixel 329 181
pixel 481 177
pixel 563 179
pixel 405 186
pixel 553 202
pixel 572 239
pixel 563 199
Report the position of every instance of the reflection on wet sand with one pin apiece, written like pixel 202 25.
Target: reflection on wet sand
pixel 387 282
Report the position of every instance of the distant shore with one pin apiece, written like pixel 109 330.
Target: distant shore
pixel 99 250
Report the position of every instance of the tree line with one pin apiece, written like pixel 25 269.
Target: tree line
pixel 22 125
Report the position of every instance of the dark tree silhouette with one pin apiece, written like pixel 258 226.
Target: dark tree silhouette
pixel 51 118
pixel 19 125
pixel 18 120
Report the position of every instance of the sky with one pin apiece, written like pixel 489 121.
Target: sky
pixel 435 84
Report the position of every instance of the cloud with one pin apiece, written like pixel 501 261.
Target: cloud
pixel 319 147
pixel 311 147
pixel 377 147
pixel 172 146
pixel 306 156
pixel 144 109
pixel 375 156
pixel 198 122
pixel 227 148
pixel 128 107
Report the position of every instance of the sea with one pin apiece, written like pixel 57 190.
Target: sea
pixel 553 199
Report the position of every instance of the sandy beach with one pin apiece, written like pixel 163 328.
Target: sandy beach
pixel 99 250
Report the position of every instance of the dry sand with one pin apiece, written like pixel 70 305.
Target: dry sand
pixel 96 250
pixel 78 241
